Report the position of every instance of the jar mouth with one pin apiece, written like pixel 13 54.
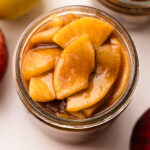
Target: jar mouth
pixel 134 3
pixel 128 7
pixel 104 116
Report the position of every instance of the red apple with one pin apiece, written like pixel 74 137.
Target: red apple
pixel 140 139
pixel 3 55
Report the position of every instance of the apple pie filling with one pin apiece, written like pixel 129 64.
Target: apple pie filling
pixel 75 66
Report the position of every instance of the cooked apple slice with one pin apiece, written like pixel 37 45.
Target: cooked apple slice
pixel 64 115
pixel 69 18
pixel 98 31
pixel 56 21
pixel 123 77
pixel 103 102
pixel 62 20
pixel 120 84
pixel 41 88
pixel 78 115
pixel 45 36
pixel 36 62
pixel 107 67
pixel 74 67
pixel 89 111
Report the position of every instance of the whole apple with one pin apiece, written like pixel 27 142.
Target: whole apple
pixel 3 55
pixel 140 139
pixel 12 9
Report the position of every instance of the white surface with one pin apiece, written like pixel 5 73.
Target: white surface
pixel 17 132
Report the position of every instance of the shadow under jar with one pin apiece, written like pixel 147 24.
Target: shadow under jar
pixel 75 126
pixel 132 13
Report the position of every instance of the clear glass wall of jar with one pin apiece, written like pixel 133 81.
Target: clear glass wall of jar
pixel 75 130
pixel 131 13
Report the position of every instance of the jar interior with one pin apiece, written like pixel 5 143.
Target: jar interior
pixel 42 113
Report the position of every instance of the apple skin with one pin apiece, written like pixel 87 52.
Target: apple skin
pixel 3 55
pixel 140 139
pixel 13 9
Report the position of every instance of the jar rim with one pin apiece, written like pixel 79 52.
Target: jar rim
pixel 128 7
pixel 70 124
pixel 135 3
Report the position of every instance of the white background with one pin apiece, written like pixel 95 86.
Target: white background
pixel 17 132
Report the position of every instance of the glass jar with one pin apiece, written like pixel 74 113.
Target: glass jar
pixel 131 13
pixel 76 130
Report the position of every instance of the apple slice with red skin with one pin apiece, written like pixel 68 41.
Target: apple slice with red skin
pixel 3 55
pixel 140 139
